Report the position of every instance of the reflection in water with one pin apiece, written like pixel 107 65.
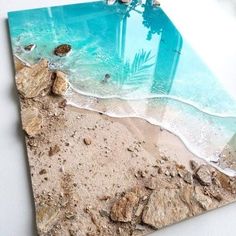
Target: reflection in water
pixel 169 48
pixel 153 72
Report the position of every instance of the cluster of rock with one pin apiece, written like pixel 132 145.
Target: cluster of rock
pixel 61 50
pixel 165 204
pixel 35 81
pixel 168 195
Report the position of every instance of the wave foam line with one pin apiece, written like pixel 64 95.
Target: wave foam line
pixel 226 171
pixel 189 103
pixel 22 60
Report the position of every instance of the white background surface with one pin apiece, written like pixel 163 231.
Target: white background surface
pixel 209 25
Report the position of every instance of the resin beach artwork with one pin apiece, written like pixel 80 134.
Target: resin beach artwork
pixel 127 129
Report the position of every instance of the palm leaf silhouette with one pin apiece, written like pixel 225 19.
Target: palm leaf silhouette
pixel 139 69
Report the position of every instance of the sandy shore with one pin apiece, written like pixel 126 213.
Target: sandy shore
pixel 97 175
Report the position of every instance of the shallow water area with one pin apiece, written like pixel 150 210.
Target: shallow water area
pixel 151 71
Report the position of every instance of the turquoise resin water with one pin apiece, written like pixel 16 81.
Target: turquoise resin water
pixel 152 68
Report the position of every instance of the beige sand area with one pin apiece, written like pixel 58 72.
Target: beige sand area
pixel 97 175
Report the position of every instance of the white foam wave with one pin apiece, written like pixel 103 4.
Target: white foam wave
pixel 158 96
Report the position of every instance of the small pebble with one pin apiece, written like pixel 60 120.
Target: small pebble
pixel 87 141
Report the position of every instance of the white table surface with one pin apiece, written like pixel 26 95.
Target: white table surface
pixel 209 25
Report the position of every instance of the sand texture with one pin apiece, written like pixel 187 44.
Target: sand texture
pixel 97 175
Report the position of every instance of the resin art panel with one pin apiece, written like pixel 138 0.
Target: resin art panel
pixel 127 129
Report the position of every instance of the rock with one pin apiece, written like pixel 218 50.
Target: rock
pixel 42 172
pixel 211 192
pixel 140 174
pixel 181 173
pixel 32 81
pixel 139 210
pixel 161 162
pixel 106 78
pixel 160 170
pixel 140 227
pixel 164 207
pixel 60 84
pixel 188 178
pixel 73 232
pixel 167 173
pixel 53 150
pixel 156 3
pixel 204 175
pixel 87 141
pixel 194 165
pixel 31 121
pixel 164 157
pixel 125 1
pixel 130 149
pixel 222 180
pixel 173 172
pixel 150 183
pixel 204 201
pixel 70 215
pixel 30 47
pixel 46 217
pixel 33 143
pixel 233 186
pixel 123 209
pixel 62 50
pixel 104 198
pixel 62 104
pixel 104 213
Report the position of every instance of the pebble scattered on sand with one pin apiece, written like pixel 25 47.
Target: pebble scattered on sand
pixel 87 141
pixel 150 183
pixel 53 150
pixel 188 178
pixel 42 172
pixel 194 165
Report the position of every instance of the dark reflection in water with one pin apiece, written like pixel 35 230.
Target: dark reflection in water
pixel 170 46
